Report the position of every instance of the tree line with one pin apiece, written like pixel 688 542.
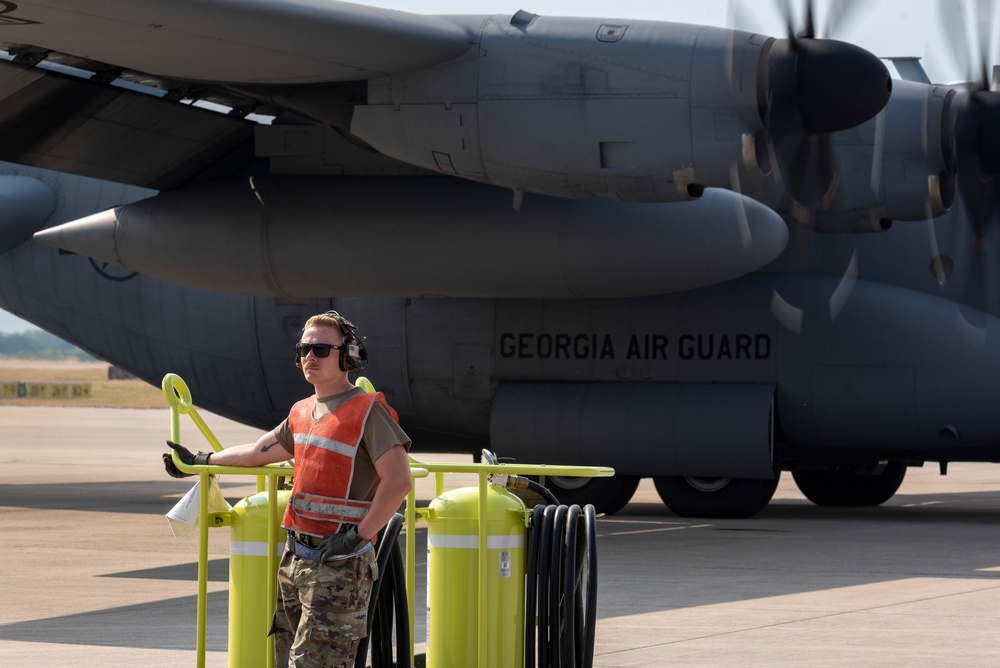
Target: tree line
pixel 37 344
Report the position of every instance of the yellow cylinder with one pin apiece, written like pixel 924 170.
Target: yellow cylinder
pixel 250 611
pixel 453 580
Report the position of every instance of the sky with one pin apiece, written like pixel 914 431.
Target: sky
pixel 887 28
pixel 11 324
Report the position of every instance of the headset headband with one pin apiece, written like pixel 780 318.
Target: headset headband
pixel 353 354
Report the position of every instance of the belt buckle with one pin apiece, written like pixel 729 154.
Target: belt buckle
pixel 302 539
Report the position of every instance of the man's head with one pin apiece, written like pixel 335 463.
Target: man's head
pixel 332 319
pixel 348 348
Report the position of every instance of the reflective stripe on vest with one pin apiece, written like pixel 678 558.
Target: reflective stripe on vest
pixel 325 509
pixel 324 466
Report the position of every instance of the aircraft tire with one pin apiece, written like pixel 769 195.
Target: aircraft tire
pixel 732 498
pixel 829 487
pixel 607 495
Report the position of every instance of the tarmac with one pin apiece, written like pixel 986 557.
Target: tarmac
pixel 92 575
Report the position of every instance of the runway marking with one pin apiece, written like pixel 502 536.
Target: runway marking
pixel 674 528
pixel 609 520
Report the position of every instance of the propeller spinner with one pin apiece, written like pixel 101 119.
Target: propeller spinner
pixel 809 87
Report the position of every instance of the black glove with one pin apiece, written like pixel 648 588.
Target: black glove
pixel 339 544
pixel 185 456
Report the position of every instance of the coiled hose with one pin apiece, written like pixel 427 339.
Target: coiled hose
pixel 387 605
pixel 561 590
pixel 542 491
pixel 561 587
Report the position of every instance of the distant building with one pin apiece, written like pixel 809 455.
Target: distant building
pixel 115 373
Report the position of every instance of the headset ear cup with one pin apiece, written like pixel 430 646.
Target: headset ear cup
pixel 353 356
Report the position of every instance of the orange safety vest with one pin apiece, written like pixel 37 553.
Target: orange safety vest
pixel 324 465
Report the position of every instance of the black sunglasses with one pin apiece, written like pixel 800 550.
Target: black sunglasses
pixel 320 349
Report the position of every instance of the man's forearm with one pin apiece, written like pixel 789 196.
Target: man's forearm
pixel 384 505
pixel 395 484
pixel 266 450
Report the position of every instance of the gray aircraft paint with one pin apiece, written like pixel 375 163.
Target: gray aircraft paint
pixel 276 237
pixel 26 204
pixel 846 349
pixel 857 379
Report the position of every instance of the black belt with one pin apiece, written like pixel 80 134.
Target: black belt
pixel 307 551
pixel 305 539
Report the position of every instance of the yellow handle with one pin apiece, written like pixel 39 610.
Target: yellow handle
pixel 178 397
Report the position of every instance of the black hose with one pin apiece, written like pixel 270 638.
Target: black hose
pixel 387 605
pixel 542 576
pixel 542 491
pixel 561 587
pixel 555 589
pixel 589 619
pixel 567 646
pixel 398 565
pixel 531 589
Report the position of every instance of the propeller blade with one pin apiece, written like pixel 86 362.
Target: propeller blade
pixel 840 16
pixel 812 179
pixel 952 17
pixel 810 29
pixel 784 8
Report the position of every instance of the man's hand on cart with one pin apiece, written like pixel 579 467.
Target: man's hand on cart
pixel 185 456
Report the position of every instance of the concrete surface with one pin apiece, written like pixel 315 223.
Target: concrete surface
pixel 92 576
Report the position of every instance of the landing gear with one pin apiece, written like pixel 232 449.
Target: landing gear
pixel 735 498
pixel 867 486
pixel 608 495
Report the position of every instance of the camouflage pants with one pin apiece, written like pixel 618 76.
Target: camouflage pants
pixel 322 610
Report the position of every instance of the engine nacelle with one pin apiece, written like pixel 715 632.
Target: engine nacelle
pixel 634 111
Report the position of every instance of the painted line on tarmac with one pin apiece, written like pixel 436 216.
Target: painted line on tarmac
pixel 661 529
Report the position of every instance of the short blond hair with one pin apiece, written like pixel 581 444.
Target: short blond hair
pixel 332 319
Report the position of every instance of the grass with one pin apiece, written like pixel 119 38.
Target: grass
pixel 103 393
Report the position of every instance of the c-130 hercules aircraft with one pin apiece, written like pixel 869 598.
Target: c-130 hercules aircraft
pixel 695 254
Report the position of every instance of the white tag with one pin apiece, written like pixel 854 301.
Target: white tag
pixel 505 563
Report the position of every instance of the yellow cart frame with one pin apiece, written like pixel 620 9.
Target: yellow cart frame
pixel 178 398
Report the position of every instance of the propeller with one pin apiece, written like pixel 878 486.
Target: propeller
pixel 810 86
pixel 969 237
pixel 976 114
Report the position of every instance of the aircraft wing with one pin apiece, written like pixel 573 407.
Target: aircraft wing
pixel 235 41
pixel 63 115
pixel 68 124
